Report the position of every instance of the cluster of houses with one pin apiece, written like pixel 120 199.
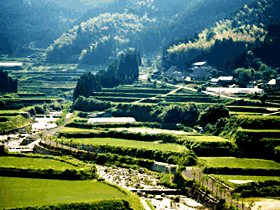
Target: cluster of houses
pixel 199 71
pixel 202 71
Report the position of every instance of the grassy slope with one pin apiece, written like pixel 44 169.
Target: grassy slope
pixel 13 123
pixel 242 177
pixel 151 130
pixel 29 192
pixel 34 163
pixel 260 130
pixel 131 143
pixel 206 139
pixel 232 162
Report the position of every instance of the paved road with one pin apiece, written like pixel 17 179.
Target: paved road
pixel 196 173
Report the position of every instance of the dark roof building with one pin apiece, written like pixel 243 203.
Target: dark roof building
pixel 170 71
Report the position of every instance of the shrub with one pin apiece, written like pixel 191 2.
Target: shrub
pixel 213 113
pixel 90 104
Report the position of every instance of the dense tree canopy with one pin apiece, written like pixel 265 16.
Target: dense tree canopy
pixel 232 43
pixel 86 85
pixel 213 113
pixel 124 70
pixel 187 115
pixel 90 104
pixel 7 84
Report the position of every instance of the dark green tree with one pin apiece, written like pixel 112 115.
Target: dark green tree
pixel 86 85
pixel 263 98
pixel 213 113
pixel 244 75
pixel 7 84
pixel 187 115
pixel 128 70
pixel 108 78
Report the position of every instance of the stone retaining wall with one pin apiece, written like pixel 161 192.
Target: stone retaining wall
pixel 82 155
pixel 163 167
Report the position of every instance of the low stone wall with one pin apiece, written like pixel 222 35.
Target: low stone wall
pixel 82 155
pixel 76 154
pixel 27 141
pixel 163 167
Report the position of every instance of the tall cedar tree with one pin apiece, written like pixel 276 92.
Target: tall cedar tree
pixel 7 84
pixel 87 84
pixel 108 77
pixel 128 70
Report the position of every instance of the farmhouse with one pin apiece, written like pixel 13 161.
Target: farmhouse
pixel 214 81
pixel 225 80
pixel 112 120
pixel 200 71
pixel 170 71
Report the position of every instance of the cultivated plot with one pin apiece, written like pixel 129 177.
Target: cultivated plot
pixel 17 192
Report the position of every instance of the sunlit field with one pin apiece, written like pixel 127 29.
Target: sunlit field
pixel 16 192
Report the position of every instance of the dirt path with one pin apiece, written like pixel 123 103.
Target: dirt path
pixel 51 132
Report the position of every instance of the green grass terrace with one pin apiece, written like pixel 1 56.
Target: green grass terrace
pixel 230 179
pixel 34 163
pixel 24 192
pixel 158 145
pixel 234 162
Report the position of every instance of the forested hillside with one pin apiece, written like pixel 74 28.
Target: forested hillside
pixel 26 24
pixel 144 25
pixel 247 39
pixel 96 32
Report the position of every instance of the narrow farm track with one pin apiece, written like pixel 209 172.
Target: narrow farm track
pixel 220 95
pixel 195 173
pixel 155 97
pixel 51 132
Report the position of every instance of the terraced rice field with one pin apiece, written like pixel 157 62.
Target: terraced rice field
pixel 33 163
pixel 226 178
pixel 245 113
pixel 262 133
pixel 233 162
pixel 131 143
pixel 19 192
pixel 251 109
pixel 205 139
pixel 151 130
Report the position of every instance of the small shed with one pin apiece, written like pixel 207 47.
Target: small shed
pixel 111 120
pixel 225 80
pixel 214 81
